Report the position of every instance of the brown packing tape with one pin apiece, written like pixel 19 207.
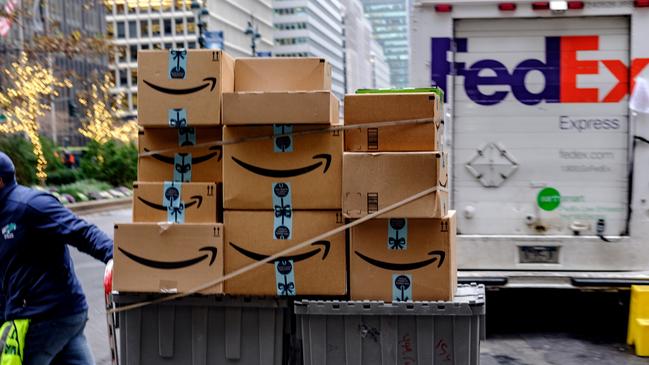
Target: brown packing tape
pixel 300 133
pixel 282 253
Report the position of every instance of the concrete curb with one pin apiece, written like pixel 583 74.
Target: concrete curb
pixel 100 205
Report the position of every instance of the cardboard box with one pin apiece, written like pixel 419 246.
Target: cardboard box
pixel 374 108
pixel 317 270
pixel 167 258
pixel 282 74
pixel 175 202
pixel 404 259
pixel 310 169
pixel 373 181
pixel 295 107
pixel 173 87
pixel 203 166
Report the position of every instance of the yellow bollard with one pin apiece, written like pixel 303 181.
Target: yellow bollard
pixel 638 333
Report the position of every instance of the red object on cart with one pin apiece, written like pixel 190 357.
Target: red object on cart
pixel 110 318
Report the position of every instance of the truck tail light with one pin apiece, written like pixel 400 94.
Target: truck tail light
pixel 443 8
pixel 540 5
pixel 574 5
pixel 641 3
pixel 507 6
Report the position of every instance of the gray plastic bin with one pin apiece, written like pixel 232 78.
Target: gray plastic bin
pixel 373 333
pixel 202 330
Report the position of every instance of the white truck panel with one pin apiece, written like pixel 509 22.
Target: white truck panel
pixel 583 148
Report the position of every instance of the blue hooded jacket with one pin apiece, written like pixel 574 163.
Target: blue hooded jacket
pixel 37 278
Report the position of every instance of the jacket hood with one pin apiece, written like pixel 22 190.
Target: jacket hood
pixel 7 169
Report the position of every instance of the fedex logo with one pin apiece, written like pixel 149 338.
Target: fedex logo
pixel 560 69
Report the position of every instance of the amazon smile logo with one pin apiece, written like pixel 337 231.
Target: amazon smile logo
pixel 325 160
pixel 436 255
pixel 195 200
pixel 326 245
pixel 190 90
pixel 195 160
pixel 173 265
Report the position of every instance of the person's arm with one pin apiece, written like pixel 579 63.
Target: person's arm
pixel 53 219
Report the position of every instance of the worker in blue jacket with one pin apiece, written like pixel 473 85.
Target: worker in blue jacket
pixel 37 279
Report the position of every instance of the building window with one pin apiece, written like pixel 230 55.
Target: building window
pixel 123 75
pixel 169 45
pixel 180 45
pixel 289 11
pixel 155 27
pixel 110 29
pixel 167 23
pixel 156 46
pixel 134 100
pixel 134 76
pixel 120 9
pixel 191 45
pixel 121 32
pixel 144 28
pixel 144 46
pixel 132 29
pixel 180 26
pixel 191 26
pixel 133 50
pixel 290 26
pixel 289 41
pixel 121 54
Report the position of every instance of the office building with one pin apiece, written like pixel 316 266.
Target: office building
pixel 311 28
pixel 365 65
pixel 146 24
pixel 389 20
pixel 232 18
pixel 61 20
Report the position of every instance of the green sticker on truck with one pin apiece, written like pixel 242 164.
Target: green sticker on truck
pixel 548 199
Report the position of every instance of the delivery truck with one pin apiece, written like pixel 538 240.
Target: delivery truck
pixel 550 164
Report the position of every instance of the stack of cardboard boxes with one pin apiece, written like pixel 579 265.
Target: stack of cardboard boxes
pixel 283 190
pixel 180 105
pixel 280 178
pixel 408 253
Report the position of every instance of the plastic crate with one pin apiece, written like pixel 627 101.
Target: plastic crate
pixel 203 330
pixel 365 332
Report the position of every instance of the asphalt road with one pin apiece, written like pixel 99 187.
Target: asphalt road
pixel 524 327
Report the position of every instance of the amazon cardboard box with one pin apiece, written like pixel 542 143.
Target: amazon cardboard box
pixel 167 258
pixel 373 181
pixel 172 157
pixel 300 171
pixel 182 87
pixel 282 74
pixel 319 269
pixel 374 108
pixel 398 259
pixel 175 202
pixel 277 107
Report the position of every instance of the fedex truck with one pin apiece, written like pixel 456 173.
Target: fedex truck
pixel 550 165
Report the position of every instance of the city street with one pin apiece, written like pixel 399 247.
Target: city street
pixel 524 327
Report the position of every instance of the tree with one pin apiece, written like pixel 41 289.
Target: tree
pixel 101 119
pixel 23 102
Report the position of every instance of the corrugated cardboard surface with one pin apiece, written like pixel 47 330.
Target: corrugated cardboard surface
pixel 426 238
pixel 373 108
pixel 203 107
pixel 311 188
pixel 160 167
pixel 200 200
pixel 323 273
pixel 282 74
pixel 373 181
pixel 302 107
pixel 167 258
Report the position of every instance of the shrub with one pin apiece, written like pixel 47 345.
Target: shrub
pixel 21 152
pixel 112 162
